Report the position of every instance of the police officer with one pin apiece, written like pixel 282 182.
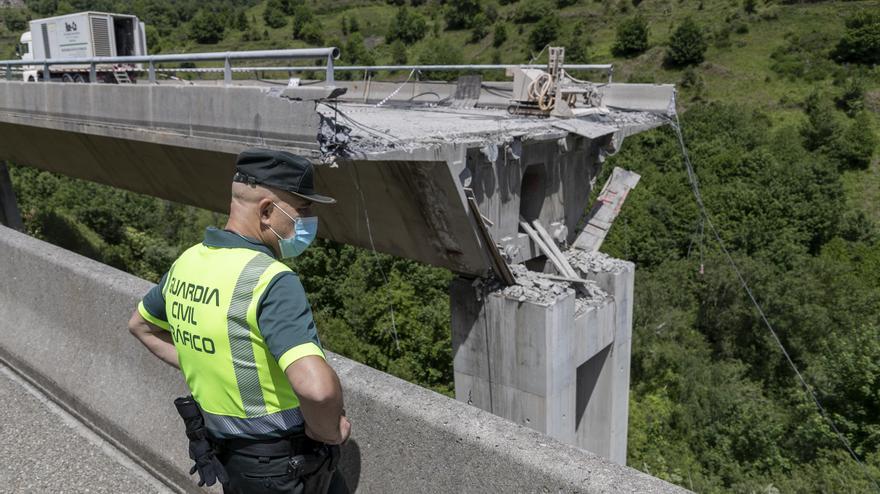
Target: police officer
pixel 235 320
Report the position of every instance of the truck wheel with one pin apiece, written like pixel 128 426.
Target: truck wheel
pixel 66 78
pixel 79 78
pixel 31 79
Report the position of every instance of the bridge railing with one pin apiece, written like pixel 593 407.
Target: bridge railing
pixel 328 54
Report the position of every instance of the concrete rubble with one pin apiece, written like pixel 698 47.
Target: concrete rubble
pixel 535 287
pixel 594 262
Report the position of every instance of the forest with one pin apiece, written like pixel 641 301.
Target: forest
pixel 779 103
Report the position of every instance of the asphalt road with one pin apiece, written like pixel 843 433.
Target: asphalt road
pixel 45 449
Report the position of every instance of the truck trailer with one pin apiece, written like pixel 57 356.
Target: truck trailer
pixel 84 35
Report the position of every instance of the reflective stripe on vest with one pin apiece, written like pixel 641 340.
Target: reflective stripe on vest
pixel 211 299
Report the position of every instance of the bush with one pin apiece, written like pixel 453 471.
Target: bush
pixel 853 147
pixel 687 45
pixel 852 99
pixel 15 20
pixel 398 53
pixel 532 11
pixel 207 28
pixel 480 29
pixel 850 143
pixel 407 26
pixel 632 37
pixel 241 21
pixel 804 56
pixel 304 20
pixel 861 42
pixel 438 51
pixel 274 15
pixel 312 32
pixel 462 14
pixel 356 52
pixel 577 49
pixel 500 35
pixel 545 32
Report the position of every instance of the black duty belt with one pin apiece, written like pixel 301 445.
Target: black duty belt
pixel 276 447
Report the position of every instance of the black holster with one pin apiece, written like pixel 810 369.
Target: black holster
pixel 315 468
pixel 201 449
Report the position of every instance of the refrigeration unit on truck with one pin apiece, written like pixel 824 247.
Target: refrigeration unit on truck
pixel 84 35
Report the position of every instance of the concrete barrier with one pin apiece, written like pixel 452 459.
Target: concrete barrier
pixel 63 324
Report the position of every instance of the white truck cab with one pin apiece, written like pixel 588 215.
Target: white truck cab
pixel 25 51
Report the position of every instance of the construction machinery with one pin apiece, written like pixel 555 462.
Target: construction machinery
pixel 553 92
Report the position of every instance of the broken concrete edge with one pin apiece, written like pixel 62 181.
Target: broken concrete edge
pixel 535 288
pixel 412 439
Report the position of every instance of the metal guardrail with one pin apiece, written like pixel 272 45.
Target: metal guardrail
pixel 329 54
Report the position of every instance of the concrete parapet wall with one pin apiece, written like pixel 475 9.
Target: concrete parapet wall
pixel 63 324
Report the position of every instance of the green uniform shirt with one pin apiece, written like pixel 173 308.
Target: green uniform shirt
pixel 284 313
pixel 243 393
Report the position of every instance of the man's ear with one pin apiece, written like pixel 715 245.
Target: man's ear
pixel 265 209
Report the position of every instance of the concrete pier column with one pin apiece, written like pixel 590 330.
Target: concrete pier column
pixel 545 357
pixel 9 213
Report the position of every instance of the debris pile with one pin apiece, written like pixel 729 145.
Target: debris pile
pixel 594 262
pixel 530 286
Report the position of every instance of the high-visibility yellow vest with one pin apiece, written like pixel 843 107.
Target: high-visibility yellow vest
pixel 211 301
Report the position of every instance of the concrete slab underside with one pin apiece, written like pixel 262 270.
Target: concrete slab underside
pixel 179 143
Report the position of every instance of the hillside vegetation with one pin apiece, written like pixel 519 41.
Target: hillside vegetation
pixel 779 103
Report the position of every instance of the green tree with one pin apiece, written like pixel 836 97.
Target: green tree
pixel 241 21
pixel 480 28
pixel 545 32
pixel 461 14
pixel 356 52
pixel 530 11
pixel 207 27
pixel 274 15
pixel 306 25
pixel 406 26
pixel 577 49
pixel 860 42
pixel 14 19
pixel 398 53
pixel 687 46
pixel 500 35
pixel 439 51
pixel 632 37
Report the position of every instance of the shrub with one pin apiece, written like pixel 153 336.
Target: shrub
pixel 480 29
pixel 804 56
pixel 532 11
pixel 861 41
pixel 407 26
pixel 632 37
pixel 207 28
pixel 500 35
pixel 438 51
pixel 274 15
pixel 687 45
pixel 462 14
pixel 545 32
pixel 398 53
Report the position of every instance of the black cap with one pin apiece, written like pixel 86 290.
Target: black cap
pixel 281 170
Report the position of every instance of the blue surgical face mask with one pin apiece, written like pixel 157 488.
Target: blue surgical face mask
pixel 304 232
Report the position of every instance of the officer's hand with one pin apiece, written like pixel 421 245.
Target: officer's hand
pixel 344 429
pixel 344 432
